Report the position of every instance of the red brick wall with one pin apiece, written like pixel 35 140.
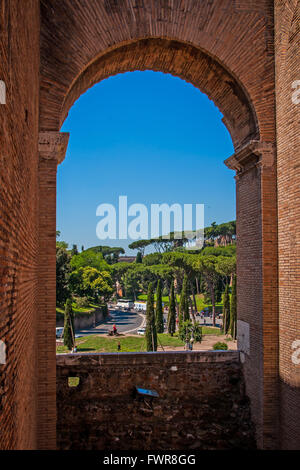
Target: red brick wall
pixel 249 267
pixel 257 284
pixel 217 45
pixel 19 68
pixel 226 48
pixel 287 15
pixel 201 404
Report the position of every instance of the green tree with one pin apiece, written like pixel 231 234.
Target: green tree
pixel 233 310
pixel 140 245
pixel 159 316
pixel 172 312
pixel 74 251
pixel 184 262
pixel 226 310
pixel 164 273
pixel 227 251
pixel 89 282
pixel 139 258
pixel 89 259
pixel 190 331
pixel 207 267
pixel 226 266
pixel 152 259
pixel 102 287
pixel 69 325
pixel 132 280
pixel 151 333
pixel 110 254
pixel 62 275
pixel 62 245
pixel 184 302
pixel 76 283
pixel 119 271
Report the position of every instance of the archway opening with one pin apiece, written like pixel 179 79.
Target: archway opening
pixel 240 80
pixel 155 140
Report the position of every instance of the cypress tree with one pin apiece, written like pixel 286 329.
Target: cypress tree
pixel 139 258
pixel 233 310
pixel 151 333
pixel 218 290
pixel 172 312
pixel 68 325
pixel 226 310
pixel 159 316
pixel 184 302
pixel 74 251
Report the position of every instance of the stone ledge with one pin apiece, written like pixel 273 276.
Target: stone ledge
pixel 254 154
pixel 53 145
pixel 136 358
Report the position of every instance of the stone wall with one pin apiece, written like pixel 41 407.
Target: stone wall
pixel 201 404
pixel 84 320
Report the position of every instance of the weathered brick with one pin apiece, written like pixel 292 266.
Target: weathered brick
pixel 245 59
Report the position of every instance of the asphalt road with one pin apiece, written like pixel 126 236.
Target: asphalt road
pixel 129 322
pixel 126 322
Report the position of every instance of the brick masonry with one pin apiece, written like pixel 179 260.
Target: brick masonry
pixel 19 69
pixel 201 405
pixel 244 56
pixel 287 21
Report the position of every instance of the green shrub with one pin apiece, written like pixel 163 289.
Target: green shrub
pixel 220 347
pixel 82 302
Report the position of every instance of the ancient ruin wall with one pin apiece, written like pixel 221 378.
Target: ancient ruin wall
pixel 287 27
pixel 226 48
pixel 201 404
pixel 19 69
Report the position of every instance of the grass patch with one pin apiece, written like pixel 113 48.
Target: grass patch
pixel 201 305
pixel 128 344
pixel 79 310
pixel 165 300
pixel 207 330
pixel 168 340
pixel 98 344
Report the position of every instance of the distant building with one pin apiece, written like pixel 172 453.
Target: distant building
pixel 127 259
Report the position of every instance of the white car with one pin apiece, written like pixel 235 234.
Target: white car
pixel 141 331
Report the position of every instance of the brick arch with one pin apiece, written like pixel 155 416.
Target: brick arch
pixel 179 59
pixel 200 42
pixel 226 49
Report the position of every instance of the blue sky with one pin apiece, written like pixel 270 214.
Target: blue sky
pixel 151 137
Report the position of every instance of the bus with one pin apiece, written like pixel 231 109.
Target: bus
pixel 125 304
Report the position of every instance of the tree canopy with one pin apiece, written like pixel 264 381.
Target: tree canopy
pixel 91 259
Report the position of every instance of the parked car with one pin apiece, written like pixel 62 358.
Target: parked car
pixel 59 332
pixel 141 331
